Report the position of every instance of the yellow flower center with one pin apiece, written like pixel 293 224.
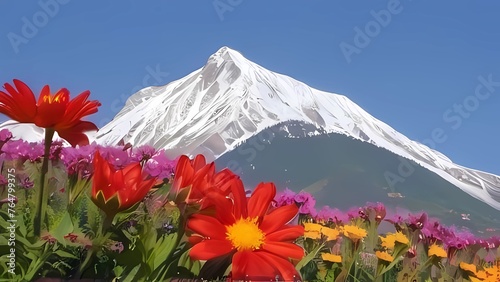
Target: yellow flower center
pixel 245 234
pixel 58 98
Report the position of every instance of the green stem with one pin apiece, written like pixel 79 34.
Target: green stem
pixel 98 241
pixel 42 196
pixel 106 224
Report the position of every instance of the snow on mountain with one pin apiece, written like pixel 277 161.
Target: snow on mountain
pixel 230 99
pixel 28 132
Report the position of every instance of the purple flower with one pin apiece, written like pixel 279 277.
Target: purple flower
pixel 78 160
pixel 417 221
pixel 160 165
pixel 21 150
pixel 329 214
pixel 26 183
pixel 116 156
pixel 5 135
pixel 287 197
pixel 355 212
pixel 143 153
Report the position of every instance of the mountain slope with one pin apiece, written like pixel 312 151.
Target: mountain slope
pixel 231 99
pixel 342 172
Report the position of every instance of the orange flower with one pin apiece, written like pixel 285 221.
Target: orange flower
pixel 435 250
pixel 56 112
pixel 308 226
pixel 193 179
pixel 331 257
pixel 354 233
pixel 113 190
pixel 315 235
pixel 312 230
pixel 385 256
pixel 330 233
pixel 401 238
pixel 468 267
pixel 388 241
pixel 259 243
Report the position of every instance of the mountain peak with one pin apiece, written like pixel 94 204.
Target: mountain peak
pixel 226 51
pixel 230 99
pixel 226 54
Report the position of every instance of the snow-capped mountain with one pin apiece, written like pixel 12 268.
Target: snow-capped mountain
pixel 231 99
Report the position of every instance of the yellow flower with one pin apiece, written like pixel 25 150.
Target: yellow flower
pixel 331 257
pixel 435 250
pixel 468 267
pixel 401 238
pixel 494 270
pixel 312 235
pixel 330 233
pixel 385 256
pixel 354 233
pixel 388 241
pixel 312 227
pixel 481 274
pixel 312 230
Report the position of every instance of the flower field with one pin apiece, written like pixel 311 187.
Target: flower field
pixel 127 213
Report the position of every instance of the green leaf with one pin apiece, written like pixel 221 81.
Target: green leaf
pixel 163 249
pixel 3 241
pixel 194 266
pixel 130 277
pixel 118 270
pixel 64 227
pixel 308 258
pixel 64 254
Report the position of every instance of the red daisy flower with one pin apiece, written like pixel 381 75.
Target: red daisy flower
pixel 260 243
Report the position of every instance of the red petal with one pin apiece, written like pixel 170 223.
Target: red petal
pixel 210 249
pixel 20 104
pixel 74 138
pixel 103 175
pixel 286 268
pixel 249 266
pixel 79 107
pixel 184 169
pixel 283 249
pixel 223 208
pixel 199 162
pixel 278 218
pixel 207 226
pixel 240 199
pixel 29 101
pixel 50 112
pixel 287 233
pixel 261 198
pixel 193 240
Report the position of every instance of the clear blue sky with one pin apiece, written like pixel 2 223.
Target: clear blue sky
pixel 415 67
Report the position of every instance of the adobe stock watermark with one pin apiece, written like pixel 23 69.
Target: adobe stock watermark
pixel 223 6
pixel 153 76
pixel 32 25
pixel 454 116
pixel 365 34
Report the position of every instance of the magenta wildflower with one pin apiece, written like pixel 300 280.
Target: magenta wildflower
pixel 286 197
pixel 160 166
pixel 417 221
pixel 335 215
